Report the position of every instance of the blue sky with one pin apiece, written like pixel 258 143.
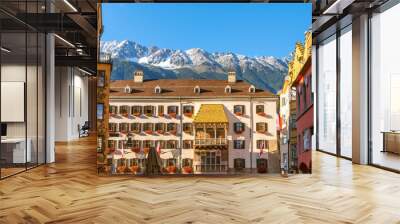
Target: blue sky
pixel 255 29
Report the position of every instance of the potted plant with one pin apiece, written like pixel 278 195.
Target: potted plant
pixel 171 169
pixel 160 131
pixel 238 113
pixel 135 168
pixel 161 114
pixel 111 150
pixel 188 169
pixel 125 114
pixel 137 114
pixel 172 132
pixel 146 150
pixel 121 168
pixel 149 132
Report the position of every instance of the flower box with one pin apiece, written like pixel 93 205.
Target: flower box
pixel 188 114
pixel 171 169
pixel 125 114
pixel 137 114
pixel 149 132
pixel 111 150
pixel 187 169
pixel 135 169
pixel 161 114
pixel 173 132
pixel 172 115
pixel 238 113
pixel 160 131
pixel 135 150
pixel 261 114
pixel 121 169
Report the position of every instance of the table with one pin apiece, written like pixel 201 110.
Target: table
pixel 391 141
pixel 13 150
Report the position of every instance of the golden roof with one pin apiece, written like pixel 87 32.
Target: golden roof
pixel 211 113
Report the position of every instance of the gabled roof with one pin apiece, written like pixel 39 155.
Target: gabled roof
pixel 185 88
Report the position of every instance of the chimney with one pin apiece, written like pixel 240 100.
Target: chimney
pixel 231 77
pixel 138 76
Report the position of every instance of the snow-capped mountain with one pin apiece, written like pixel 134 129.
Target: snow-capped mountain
pixel 265 72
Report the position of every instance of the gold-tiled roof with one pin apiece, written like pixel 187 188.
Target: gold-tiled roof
pixel 211 113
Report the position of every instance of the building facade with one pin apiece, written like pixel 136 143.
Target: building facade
pixel 199 126
pixel 305 110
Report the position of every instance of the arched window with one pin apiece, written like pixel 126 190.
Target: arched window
pixel 157 90
pixel 127 89
pixel 252 89
pixel 228 89
pixel 196 89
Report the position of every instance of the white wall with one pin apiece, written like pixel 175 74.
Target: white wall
pixel 71 102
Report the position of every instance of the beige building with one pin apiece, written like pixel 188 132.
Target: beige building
pixel 201 126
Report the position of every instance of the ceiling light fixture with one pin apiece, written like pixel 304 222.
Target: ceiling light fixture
pixel 5 50
pixel 64 40
pixel 70 5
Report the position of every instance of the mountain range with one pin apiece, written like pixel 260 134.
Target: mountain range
pixel 265 72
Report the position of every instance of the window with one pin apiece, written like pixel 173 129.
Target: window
pixel 252 89
pixel 161 142
pixel 135 127
pixel 136 110
pixel 228 89
pixel 197 89
pixel 124 127
pixel 239 163
pixel 112 144
pixel 100 78
pixel 172 144
pixel 148 144
pixel 112 127
pixel 157 90
pixel 238 127
pixel 211 162
pixel 188 128
pixel 113 110
pixel 160 128
pixel 238 144
pixel 261 127
pixel 326 71
pixel 260 110
pixel 187 144
pixel 172 127
pixel 160 110
pixel 188 110
pixel 149 110
pixel 124 110
pixel 187 162
pixel 127 89
pixel 238 110
pixel 307 139
pixel 148 128
pixel 173 111
pixel 262 144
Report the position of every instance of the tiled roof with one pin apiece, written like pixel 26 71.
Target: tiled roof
pixel 211 113
pixel 184 88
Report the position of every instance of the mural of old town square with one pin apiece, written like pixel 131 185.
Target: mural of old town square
pixel 204 89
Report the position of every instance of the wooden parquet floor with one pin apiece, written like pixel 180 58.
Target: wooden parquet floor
pixel 70 191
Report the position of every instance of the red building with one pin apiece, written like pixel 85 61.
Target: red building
pixel 305 118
